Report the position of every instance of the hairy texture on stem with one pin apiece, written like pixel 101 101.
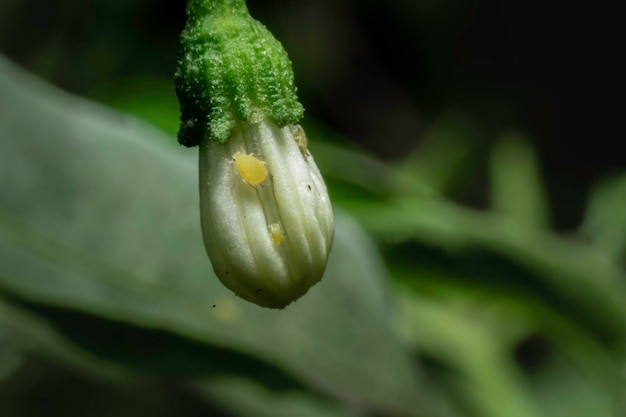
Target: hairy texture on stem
pixel 230 68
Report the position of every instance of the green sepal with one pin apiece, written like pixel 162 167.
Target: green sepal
pixel 230 68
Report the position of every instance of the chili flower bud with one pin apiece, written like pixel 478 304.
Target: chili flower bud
pixel 267 221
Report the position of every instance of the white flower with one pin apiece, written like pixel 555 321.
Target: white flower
pixel 267 220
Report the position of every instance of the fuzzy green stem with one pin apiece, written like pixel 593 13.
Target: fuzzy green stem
pixel 216 7
pixel 230 69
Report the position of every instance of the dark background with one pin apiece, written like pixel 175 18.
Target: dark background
pixel 381 72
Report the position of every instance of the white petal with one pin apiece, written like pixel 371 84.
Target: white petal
pixel 239 219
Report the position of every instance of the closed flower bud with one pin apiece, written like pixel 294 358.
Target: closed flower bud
pixel 267 221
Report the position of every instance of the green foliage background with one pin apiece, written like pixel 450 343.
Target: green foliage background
pixel 108 304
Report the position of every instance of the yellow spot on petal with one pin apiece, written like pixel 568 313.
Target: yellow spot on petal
pixel 252 169
pixel 300 138
pixel 276 233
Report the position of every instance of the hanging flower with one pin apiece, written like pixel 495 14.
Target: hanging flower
pixel 267 221
pixel 266 217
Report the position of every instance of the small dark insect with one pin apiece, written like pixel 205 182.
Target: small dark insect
pixel 308 186
pixel 213 305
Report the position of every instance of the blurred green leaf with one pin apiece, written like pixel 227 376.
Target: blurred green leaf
pixel 444 157
pixel 580 276
pixel 491 381
pixel 350 171
pixel 462 318
pixel 564 392
pixel 150 99
pixel 516 187
pixel 605 221
pixel 29 334
pixel 32 336
pixel 10 358
pixel 247 398
pixel 99 214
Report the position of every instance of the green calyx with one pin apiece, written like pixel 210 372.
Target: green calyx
pixel 230 69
